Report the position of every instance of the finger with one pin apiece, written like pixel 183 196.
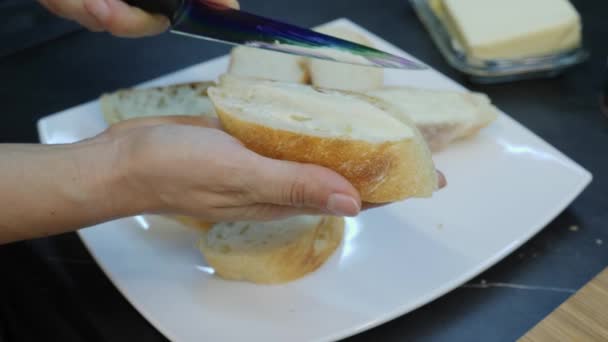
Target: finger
pixel 200 121
pixel 65 9
pixel 89 21
pixel 302 186
pixel 53 7
pixel 229 3
pixel 123 20
pixel 442 182
pixel 73 10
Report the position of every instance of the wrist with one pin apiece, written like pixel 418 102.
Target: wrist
pixel 109 185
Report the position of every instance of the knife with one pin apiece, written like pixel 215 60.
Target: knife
pixel 211 21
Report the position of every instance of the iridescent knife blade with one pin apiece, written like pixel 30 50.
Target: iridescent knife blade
pixel 207 20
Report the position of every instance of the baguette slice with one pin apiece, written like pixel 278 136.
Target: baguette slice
pixel 179 99
pixel 333 75
pixel 385 158
pixel 258 63
pixel 442 116
pixel 271 252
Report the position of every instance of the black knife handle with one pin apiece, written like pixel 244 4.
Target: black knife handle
pixel 168 8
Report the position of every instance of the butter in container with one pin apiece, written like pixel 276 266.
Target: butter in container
pixel 505 40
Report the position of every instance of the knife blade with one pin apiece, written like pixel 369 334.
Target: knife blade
pixel 207 20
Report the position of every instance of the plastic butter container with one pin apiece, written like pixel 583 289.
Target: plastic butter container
pixel 492 48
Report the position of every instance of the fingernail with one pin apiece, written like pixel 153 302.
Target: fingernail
pixel 227 3
pixel 342 205
pixel 99 9
pixel 234 4
pixel 441 181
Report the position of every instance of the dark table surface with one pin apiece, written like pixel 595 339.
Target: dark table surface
pixel 52 289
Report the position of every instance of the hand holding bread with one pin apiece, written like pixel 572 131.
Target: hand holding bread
pixel 304 151
pixel 183 165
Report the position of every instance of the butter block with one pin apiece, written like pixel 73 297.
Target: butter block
pixel 510 29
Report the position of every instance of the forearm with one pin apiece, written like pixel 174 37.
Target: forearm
pixel 47 190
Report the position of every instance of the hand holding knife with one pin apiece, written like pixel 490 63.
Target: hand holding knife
pixel 208 20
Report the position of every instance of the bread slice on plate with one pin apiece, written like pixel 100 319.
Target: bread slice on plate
pixel 271 252
pixel 333 75
pixel 258 63
pixel 358 136
pixel 442 116
pixel 179 99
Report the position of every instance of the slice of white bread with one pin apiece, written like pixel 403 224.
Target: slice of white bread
pixel 271 252
pixel 333 75
pixel 179 99
pixel 442 116
pixel 358 136
pixel 258 63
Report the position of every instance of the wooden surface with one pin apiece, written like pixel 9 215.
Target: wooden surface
pixel 583 317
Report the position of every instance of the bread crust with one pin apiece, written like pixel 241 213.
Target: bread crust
pixel 281 264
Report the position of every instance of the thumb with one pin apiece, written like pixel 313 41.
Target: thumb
pixel 303 186
pixel 123 20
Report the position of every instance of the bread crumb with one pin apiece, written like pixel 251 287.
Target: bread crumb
pixel 244 229
pixel 299 118
pixel 599 242
pixel 573 228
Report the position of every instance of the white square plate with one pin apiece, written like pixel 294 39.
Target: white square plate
pixel 504 186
